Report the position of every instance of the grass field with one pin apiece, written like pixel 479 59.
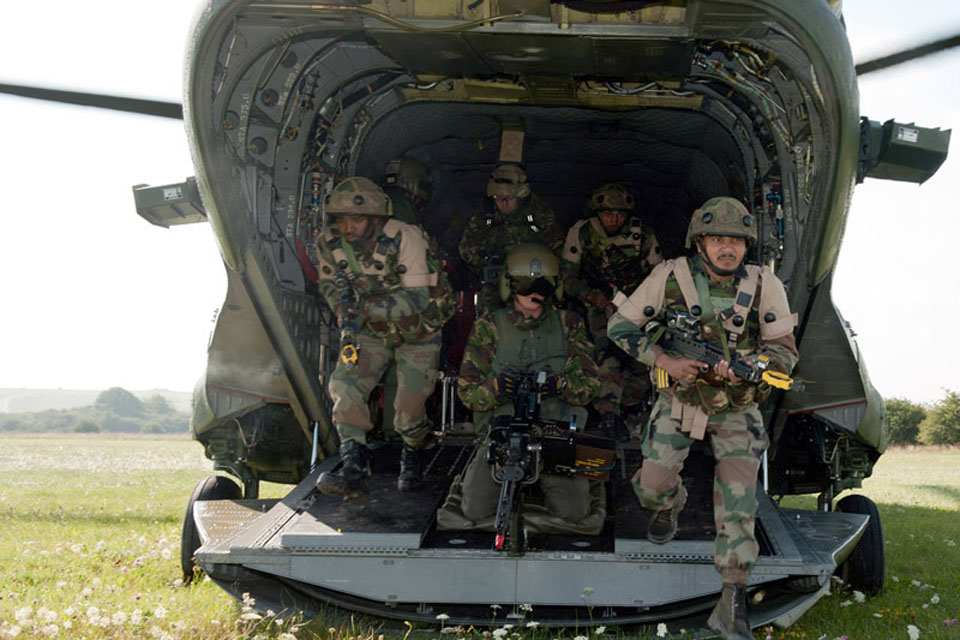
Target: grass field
pixel 90 538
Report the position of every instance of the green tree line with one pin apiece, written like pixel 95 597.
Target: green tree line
pixel 115 410
pixel 912 423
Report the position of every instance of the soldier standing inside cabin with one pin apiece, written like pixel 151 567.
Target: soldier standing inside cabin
pixel 516 216
pixel 530 335
pixel 603 256
pixel 407 183
pixel 382 281
pixel 742 308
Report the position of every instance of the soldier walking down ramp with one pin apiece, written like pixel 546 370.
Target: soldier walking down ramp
pixel 743 310
pixel 396 302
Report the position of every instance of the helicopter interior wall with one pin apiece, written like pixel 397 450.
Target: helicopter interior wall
pixel 673 159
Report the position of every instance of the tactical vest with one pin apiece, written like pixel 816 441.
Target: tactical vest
pixel 610 264
pixel 377 274
pixel 543 348
pixel 724 321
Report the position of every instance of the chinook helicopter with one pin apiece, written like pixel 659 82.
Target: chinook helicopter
pixel 681 100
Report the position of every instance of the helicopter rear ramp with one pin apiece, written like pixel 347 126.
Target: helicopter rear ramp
pixel 384 556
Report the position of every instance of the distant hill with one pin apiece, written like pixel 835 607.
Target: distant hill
pixel 34 400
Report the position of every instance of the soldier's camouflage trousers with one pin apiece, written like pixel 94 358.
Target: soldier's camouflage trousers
pixel 738 440
pixel 350 387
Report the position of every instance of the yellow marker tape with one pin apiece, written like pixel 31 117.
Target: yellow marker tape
pixel 663 379
pixel 778 380
pixel 348 354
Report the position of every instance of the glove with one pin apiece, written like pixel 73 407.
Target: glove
pixel 554 385
pixel 505 385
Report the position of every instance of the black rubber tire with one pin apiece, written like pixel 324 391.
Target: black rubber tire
pixel 210 488
pixel 864 568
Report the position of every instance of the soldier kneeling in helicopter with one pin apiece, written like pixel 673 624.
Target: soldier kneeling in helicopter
pixel 741 312
pixel 505 350
pixel 391 299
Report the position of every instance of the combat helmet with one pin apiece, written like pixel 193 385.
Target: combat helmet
pixel 358 197
pixel 722 216
pixel 409 174
pixel 612 196
pixel 508 181
pixel 531 268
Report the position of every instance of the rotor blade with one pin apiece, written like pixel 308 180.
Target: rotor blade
pixel 117 103
pixel 908 54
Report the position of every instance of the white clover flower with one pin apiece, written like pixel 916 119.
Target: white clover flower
pixel 166 554
pixel 12 631
pixel 508 626
pixel 913 632
pixel 916 583
pixel 23 614
pixel 96 582
pixel 101 545
pixel 69 612
pixel 160 612
pixel 251 615
pixel 67 624
pixel 179 625
pixel 662 630
pixel 136 617
pixel 599 630
pixel 894 578
pixel 93 612
pixel 47 615
pixel 499 633
pixel 859 597
pixel 76 548
pixel 533 624
pixel 86 592
pixel 51 630
pixel 935 599
pixel 119 618
pixel 248 600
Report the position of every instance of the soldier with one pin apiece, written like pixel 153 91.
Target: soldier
pixel 603 255
pixel 517 216
pixel 742 308
pixel 400 300
pixel 407 182
pixel 528 336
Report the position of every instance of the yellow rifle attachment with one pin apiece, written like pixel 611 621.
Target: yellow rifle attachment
pixel 348 354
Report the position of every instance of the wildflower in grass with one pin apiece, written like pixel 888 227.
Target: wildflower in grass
pixel 248 600
pixel 859 597
pixel 895 578
pixel 287 636
pixel 136 617
pixel 935 599
pixel 662 630
pixel 160 612
pixel 12 631
pixel 845 603
pixel 247 616
pixel 23 614
pixel 916 583
pixel 86 592
pixel 533 624
pixel 913 632
pixel 950 623
pixel 499 633
pixel 526 607
pixel 51 631
pixel 878 615
pixel 580 638
pixel 119 618
pixel 600 630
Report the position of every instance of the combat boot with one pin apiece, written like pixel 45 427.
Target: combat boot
pixel 349 477
pixel 663 524
pixel 729 617
pixel 411 464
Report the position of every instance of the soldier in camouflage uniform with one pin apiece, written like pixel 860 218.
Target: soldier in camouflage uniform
pixel 742 308
pixel 401 300
pixel 407 183
pixel 516 216
pixel 528 336
pixel 603 255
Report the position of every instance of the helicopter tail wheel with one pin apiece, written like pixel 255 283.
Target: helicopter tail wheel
pixel 863 569
pixel 211 488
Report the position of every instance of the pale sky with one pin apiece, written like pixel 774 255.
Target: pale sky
pixel 94 296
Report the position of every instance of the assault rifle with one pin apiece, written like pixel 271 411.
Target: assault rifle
pixel 680 333
pixel 523 446
pixel 349 352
